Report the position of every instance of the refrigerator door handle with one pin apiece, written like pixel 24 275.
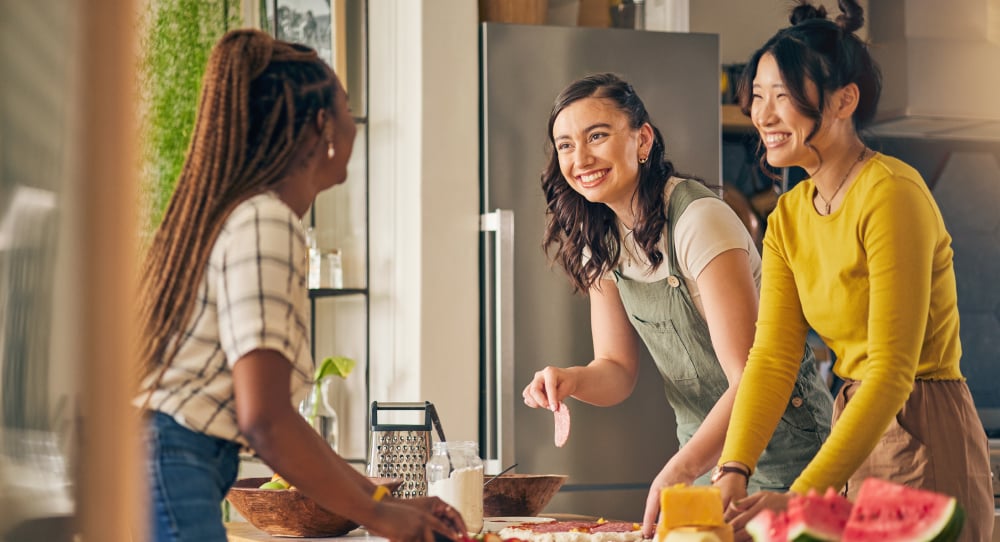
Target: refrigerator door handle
pixel 498 448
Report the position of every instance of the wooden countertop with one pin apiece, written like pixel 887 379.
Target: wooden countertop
pixel 241 531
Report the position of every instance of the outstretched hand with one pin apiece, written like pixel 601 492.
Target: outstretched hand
pixel 445 512
pixel 549 387
pixel 417 520
pixel 667 477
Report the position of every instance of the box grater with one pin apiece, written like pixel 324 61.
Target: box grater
pixel 401 451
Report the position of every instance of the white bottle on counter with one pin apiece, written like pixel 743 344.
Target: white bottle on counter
pixel 455 475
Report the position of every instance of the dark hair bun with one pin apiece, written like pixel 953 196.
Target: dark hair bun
pixel 852 15
pixel 805 11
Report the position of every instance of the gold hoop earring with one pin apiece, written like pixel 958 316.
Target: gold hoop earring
pixel 330 151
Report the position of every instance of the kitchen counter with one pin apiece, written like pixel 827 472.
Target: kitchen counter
pixel 239 531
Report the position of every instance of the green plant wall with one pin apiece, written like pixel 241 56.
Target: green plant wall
pixel 176 40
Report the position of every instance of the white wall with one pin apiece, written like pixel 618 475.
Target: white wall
pixel 744 25
pixel 424 201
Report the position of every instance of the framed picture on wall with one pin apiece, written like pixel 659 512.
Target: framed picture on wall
pixel 302 21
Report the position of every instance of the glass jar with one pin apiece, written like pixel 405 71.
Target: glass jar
pixel 317 409
pixel 315 259
pixel 334 272
pixel 455 475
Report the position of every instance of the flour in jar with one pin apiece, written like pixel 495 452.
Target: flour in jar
pixel 463 489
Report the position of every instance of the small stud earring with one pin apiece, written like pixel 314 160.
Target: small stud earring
pixel 330 150
pixel 643 160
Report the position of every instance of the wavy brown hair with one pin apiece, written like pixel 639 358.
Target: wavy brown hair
pixel 258 96
pixel 826 52
pixel 574 223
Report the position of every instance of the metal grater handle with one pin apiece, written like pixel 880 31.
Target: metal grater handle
pixel 424 406
pixel 432 412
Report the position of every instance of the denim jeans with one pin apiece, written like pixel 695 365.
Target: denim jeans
pixel 189 476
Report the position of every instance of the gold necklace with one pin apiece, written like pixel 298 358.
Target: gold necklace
pixel 630 259
pixel 861 157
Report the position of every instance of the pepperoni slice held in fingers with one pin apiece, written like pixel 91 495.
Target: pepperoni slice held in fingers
pixel 562 424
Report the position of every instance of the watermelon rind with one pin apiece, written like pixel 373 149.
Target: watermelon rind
pixel 768 526
pixel 953 529
pixel 806 537
pixel 888 512
pixel 809 537
pixel 758 526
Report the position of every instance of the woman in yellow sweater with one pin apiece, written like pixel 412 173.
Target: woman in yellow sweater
pixel 860 253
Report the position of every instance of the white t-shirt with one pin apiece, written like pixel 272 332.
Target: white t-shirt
pixel 253 296
pixel 707 228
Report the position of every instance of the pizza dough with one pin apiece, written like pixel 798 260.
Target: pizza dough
pixel 575 531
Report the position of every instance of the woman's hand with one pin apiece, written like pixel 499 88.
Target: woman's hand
pixel 668 476
pixel 443 511
pixel 733 488
pixel 416 520
pixel 741 511
pixel 610 377
pixel 549 387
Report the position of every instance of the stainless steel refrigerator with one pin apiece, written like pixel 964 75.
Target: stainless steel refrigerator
pixel 530 317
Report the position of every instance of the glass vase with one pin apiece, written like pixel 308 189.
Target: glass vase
pixel 317 408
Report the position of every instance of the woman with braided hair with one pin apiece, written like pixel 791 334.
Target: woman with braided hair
pixel 223 306
pixel 859 252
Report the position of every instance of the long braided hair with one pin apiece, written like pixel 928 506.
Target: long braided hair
pixel 573 222
pixel 258 96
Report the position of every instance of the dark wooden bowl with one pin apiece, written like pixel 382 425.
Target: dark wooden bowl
pixel 288 512
pixel 520 494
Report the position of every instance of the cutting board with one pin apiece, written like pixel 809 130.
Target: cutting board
pixel 239 531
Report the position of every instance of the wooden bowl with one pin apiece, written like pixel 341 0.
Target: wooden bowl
pixel 288 512
pixel 520 494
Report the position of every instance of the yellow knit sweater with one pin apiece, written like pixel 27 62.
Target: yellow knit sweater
pixel 875 280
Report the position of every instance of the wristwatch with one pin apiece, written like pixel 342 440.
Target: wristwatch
pixel 723 470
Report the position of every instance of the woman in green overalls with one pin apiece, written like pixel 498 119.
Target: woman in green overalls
pixel 662 257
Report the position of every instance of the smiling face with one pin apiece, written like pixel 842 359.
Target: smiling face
pixel 783 128
pixel 599 152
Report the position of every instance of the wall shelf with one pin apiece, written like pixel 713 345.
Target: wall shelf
pixel 318 293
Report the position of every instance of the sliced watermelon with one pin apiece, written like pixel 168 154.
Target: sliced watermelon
pixel 889 512
pixel 809 518
pixel 812 517
pixel 768 526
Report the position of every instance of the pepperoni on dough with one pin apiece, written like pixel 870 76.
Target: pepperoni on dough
pixel 615 527
pixel 562 527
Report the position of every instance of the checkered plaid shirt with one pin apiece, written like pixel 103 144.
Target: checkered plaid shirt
pixel 253 296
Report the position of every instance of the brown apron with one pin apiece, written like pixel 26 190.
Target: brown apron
pixel 935 442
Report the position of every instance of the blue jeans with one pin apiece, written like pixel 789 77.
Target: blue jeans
pixel 189 476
